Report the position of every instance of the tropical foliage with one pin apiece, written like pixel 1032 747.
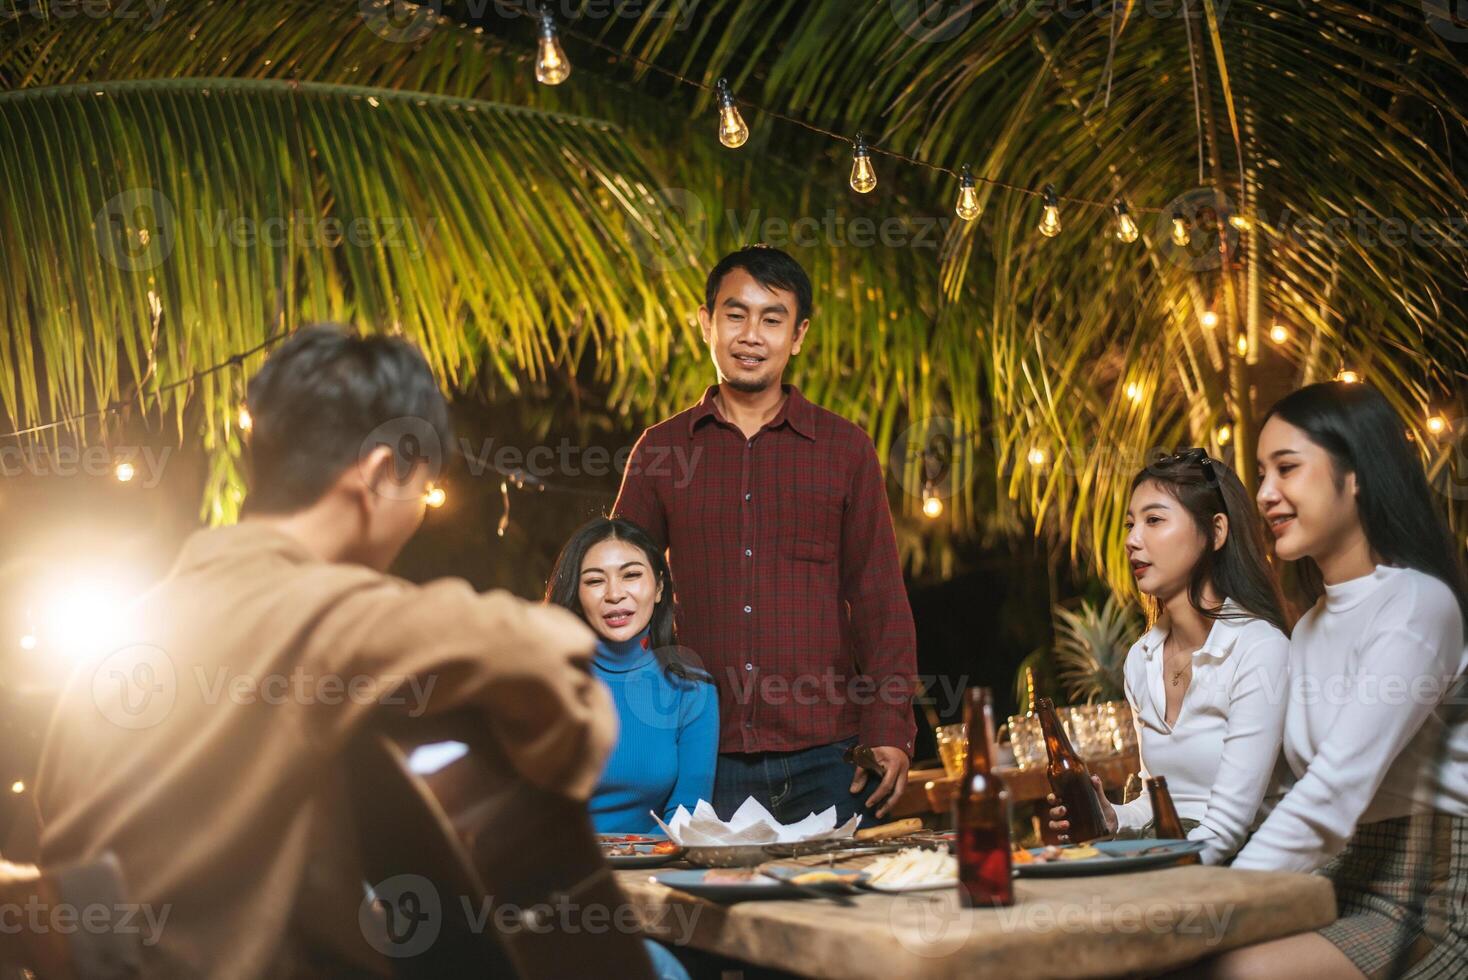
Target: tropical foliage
pixel 1090 649
pixel 539 228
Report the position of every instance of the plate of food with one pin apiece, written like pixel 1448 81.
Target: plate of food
pixel 638 850
pixel 913 869
pixel 1101 857
pixel 743 884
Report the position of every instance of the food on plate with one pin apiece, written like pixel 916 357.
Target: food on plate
pixel 820 877
pixel 729 876
pixel 1045 855
pixel 912 865
pixel 1022 857
pixel 1079 853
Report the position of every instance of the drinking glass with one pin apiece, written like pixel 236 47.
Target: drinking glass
pixel 952 748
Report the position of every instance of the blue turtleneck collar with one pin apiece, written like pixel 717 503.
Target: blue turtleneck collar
pixel 620 656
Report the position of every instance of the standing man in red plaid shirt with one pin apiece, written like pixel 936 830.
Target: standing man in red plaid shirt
pixel 774 513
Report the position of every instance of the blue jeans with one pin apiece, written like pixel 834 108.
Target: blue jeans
pixel 793 785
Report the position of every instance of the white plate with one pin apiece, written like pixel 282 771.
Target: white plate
pixel 916 886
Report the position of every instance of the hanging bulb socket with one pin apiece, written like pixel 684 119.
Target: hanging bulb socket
pixel 1050 215
pixel 1126 228
pixel 552 67
pixel 968 207
pixel 863 177
pixel 733 133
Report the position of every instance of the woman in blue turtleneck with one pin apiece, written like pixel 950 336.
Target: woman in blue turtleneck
pixel 612 576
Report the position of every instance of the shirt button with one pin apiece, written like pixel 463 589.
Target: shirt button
pixel 749 609
pixel 746 496
pixel 748 552
pixel 749 666
pixel 749 444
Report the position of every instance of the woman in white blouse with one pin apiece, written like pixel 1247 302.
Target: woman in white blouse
pixel 1378 748
pixel 1207 682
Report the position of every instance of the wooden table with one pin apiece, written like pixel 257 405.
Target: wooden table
pixel 931 790
pixel 1108 925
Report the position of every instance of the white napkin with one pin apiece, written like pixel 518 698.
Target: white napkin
pixel 751 824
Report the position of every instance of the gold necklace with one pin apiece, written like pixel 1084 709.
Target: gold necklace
pixel 1177 674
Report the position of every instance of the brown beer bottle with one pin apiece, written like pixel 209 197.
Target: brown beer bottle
pixel 1168 824
pixel 981 813
pixel 1070 780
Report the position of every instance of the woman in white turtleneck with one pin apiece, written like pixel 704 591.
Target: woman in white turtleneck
pixel 1378 750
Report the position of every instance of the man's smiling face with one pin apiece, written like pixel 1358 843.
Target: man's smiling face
pixel 751 331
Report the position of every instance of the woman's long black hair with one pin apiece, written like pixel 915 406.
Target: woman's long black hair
pixel 1240 569
pixel 564 587
pixel 1356 425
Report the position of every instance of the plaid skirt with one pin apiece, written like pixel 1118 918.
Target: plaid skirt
pixel 1401 890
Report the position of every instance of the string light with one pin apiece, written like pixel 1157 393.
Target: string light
pixel 1349 377
pixel 552 67
pixel 1224 434
pixel 29 641
pixel 1279 333
pixel 968 206
pixel 17 787
pixel 1240 222
pixel 1181 237
pixel 436 496
pixel 1134 391
pixel 124 472
pixel 245 420
pixel 1037 457
pixel 1243 346
pixel 863 177
pixel 1437 425
pixel 1050 215
pixel 1126 228
pixel 733 133
pixel 932 503
pixel 504 517
pixel 1209 319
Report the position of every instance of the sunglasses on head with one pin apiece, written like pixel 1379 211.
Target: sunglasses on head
pixel 1202 459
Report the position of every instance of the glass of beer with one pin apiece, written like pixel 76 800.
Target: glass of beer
pixel 952 748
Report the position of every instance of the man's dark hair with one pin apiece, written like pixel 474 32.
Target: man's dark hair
pixel 325 399
pixel 771 268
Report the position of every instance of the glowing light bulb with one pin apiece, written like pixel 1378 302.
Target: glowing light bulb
pixel 17 787
pixel 1134 391
pixel 863 177
pixel 932 503
pixel 968 207
pixel 1243 346
pixel 124 472
pixel 1240 222
pixel 552 67
pixel 1348 377
pixel 1437 425
pixel 1050 216
pixel 1180 234
pixel 733 133
pixel 1126 228
pixel 1209 319
pixel 1037 457
pixel 245 420
pixel 1279 334
pixel 435 497
pixel 1224 434
pixel 29 642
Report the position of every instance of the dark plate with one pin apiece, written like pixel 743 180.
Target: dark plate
pixel 1116 856
pixel 643 843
